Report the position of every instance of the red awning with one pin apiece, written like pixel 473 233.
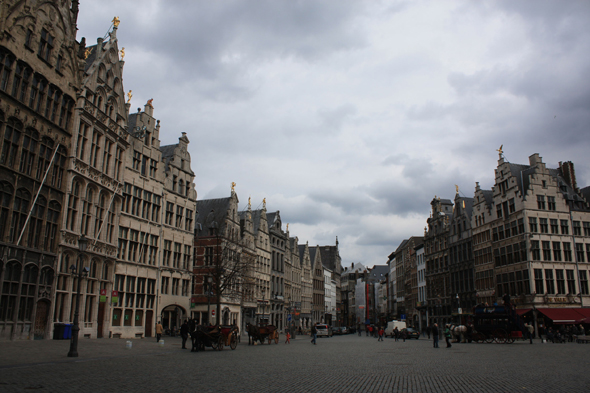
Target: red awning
pixel 584 311
pixel 562 315
pixel 522 311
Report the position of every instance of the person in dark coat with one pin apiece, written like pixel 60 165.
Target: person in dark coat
pixel 435 335
pixel 184 333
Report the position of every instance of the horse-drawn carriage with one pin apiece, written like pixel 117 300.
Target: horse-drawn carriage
pixel 215 337
pixel 262 333
pixel 500 324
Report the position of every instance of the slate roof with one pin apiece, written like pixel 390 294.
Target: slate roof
pixel 91 57
pixel 209 211
pixel 312 252
pixel 488 196
pixel 379 272
pixel 301 248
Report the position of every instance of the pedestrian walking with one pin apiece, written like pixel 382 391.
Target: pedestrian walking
pixel 314 334
pixel 381 331
pixel 435 336
pixel 530 330
pixel 428 329
pixel 159 331
pixel 396 333
pixel 448 336
pixel 288 338
pixel 184 333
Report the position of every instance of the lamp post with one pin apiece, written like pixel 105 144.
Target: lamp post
pixel 82 244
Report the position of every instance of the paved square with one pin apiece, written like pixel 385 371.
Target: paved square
pixel 338 364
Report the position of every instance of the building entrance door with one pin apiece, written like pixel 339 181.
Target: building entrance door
pixel 100 321
pixel 149 322
pixel 41 319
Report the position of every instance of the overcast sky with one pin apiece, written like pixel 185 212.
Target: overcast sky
pixel 350 116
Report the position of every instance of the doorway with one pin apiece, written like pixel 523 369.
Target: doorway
pixel 41 320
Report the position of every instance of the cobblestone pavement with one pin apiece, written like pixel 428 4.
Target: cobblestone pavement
pixel 338 364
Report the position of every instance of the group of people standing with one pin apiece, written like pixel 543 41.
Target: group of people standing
pixel 435 335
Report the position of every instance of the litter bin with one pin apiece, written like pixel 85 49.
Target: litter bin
pixel 58 331
pixel 68 331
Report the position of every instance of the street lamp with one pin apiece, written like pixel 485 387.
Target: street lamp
pixel 82 244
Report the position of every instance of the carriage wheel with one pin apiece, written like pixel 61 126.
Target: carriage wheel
pixel 489 338
pixel 479 338
pixel 213 345
pixel 220 342
pixel 500 336
pixel 510 340
pixel 233 343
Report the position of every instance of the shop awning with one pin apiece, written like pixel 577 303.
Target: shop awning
pixel 562 315
pixel 584 311
pixel 522 311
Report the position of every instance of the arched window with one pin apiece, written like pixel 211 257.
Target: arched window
pixel 51 225
pixel 180 187
pixel 29 151
pixel 6 192
pixel 110 78
pixel 67 106
pixel 86 211
pixel 22 198
pixel 10 291
pixel 46 279
pixel 102 71
pixel 105 271
pixel 6 63
pixel 73 206
pixel 36 222
pixel 93 269
pixel 52 103
pixel 21 81
pixel 37 92
pixel 12 134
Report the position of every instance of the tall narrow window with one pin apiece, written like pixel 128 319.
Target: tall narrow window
pixel 557 251
pixel 551 203
pixel 27 158
pixel 86 211
pixel 12 135
pixel 564 227
pixel 107 155
pixel 99 215
pixel 45 45
pixel 6 63
pixel 6 192
pixel 44 158
pixel 571 282
pixel 20 209
pixel 36 222
pixel 95 148
pixel 82 140
pixel 51 225
pixel 541 202
pixel 73 206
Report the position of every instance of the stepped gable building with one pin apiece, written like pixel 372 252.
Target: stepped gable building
pixel 41 68
pixel 438 289
pixel 249 277
pixel 219 267
pixel 262 267
pixel 461 263
pixel 278 243
pixel 95 180
pixel 406 279
pixel 306 286
pixel 332 261
pixel 481 229
pixel 540 231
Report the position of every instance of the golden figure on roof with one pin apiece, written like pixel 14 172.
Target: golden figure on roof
pixel 500 152
pixel 233 186
pixel 150 102
pixel 264 203
pixel 87 53
pixel 116 21
pixel 287 227
pixel 129 95
pixel 122 52
pixel 457 188
pixel 249 202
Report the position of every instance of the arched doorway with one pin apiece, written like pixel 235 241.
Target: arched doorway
pixel 41 319
pixel 172 317
pixel 225 320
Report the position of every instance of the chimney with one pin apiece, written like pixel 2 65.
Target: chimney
pixel 535 159
pixel 568 173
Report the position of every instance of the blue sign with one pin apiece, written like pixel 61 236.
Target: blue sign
pixel 402 317
pixel 289 318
